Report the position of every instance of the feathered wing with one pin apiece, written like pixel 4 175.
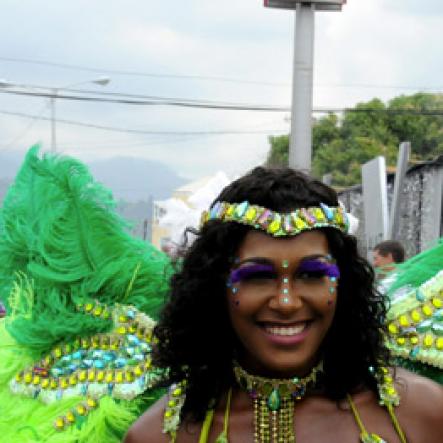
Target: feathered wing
pixel 77 335
pixel 415 315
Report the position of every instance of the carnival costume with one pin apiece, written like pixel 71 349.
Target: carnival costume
pixel 274 400
pixel 81 296
pixel 415 316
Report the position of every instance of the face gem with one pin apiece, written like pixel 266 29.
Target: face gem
pixel 286 280
pixel 285 300
pixel 285 291
pixel 331 290
pixel 285 264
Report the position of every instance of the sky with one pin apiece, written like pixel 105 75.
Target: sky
pixel 231 52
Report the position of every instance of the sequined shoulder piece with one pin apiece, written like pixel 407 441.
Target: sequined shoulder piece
pixel 176 399
pixel 388 395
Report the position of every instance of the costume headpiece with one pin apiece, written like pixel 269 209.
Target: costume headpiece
pixel 279 224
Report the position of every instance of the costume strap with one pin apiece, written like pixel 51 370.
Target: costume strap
pixel 275 223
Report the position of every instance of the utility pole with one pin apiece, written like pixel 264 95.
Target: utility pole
pixel 300 146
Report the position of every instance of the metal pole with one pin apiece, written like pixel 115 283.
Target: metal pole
pixel 301 119
pixel 53 140
pixel 402 166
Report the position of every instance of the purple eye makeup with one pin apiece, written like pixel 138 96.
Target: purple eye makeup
pixel 252 272
pixel 319 268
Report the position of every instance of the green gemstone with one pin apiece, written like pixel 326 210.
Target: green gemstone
pixel 419 295
pixel 437 329
pixel 438 315
pixel 414 352
pixel 274 400
pixel 424 326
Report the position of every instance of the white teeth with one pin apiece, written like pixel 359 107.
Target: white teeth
pixel 285 330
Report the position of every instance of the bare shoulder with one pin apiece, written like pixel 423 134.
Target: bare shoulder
pixel 421 403
pixel 149 427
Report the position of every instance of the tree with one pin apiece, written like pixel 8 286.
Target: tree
pixel 341 146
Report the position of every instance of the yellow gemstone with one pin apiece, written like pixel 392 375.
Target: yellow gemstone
pixel 176 392
pixel 129 376
pixel 415 315
pixel 318 214
pixel 401 341
pixel 168 414
pixel 403 320
pixel 299 223
pixel 19 377
pixel 89 307
pixel 36 380
pixel 390 390
pixel 83 375
pixel 392 328
pixel 122 319
pixel 95 343
pixel 274 226
pixel 413 340
pixel 28 377
pixel 81 410
pixel 122 330
pixel 59 423
pixel 132 329
pixel 47 360
pixel 230 210
pixel 70 417
pixel 91 375
pixel 92 403
pixel 439 343
pixel 84 343
pixel 437 302
pixel 100 376
pixel 148 364
pixel 97 311
pixel 138 371
pixel 53 384
pixel 171 403
pixel 119 377
pixel 73 380
pixel 58 352
pixel 63 383
pixel 109 378
pixel 427 310
pixel 428 340
pixel 251 213
pixel 45 383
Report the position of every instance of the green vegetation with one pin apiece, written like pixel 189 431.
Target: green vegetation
pixel 342 144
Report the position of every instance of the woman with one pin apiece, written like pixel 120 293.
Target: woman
pixel 274 333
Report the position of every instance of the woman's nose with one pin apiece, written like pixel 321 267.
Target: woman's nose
pixel 286 297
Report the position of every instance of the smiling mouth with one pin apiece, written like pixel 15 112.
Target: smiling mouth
pixel 286 330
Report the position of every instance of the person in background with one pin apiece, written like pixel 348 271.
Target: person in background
pixel 386 256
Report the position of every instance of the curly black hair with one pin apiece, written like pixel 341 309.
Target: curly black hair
pixel 195 338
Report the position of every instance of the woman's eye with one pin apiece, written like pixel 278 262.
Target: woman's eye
pixel 310 275
pixel 258 276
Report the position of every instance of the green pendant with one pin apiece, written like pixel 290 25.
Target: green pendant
pixel 371 438
pixel 274 400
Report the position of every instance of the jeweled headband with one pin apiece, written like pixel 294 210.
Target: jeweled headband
pixel 279 224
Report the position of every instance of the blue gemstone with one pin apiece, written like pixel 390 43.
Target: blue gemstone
pixel 414 352
pixel 110 388
pixel 36 393
pixel 214 210
pixel 120 362
pixel 59 394
pixel 241 209
pixel 84 388
pixel 57 372
pixel 66 359
pixel 130 314
pixel 139 357
pixel 99 364
pixel 133 340
pixel 328 211
pixel 86 364
pixel 333 279
pixel 109 356
pixel 145 348
pixel 78 355
pixel 130 351
pixel 97 354
pixel 72 368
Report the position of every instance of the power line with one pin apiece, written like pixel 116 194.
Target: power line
pixel 141 131
pixel 212 78
pixel 160 101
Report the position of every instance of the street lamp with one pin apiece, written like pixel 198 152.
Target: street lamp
pixel 102 81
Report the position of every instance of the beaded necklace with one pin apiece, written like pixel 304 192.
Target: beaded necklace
pixel 273 401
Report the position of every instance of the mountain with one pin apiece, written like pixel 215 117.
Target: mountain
pixel 130 178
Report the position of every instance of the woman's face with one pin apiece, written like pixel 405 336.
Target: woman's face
pixel 282 297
